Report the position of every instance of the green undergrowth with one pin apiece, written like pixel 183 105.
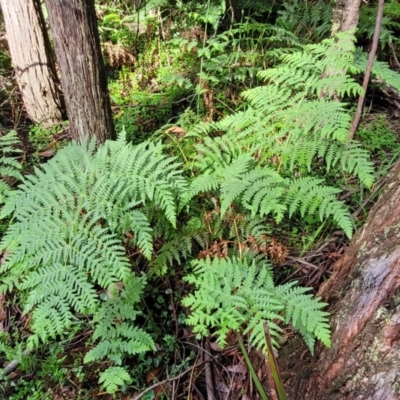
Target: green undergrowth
pixel 379 137
pixel 96 233
pixel 74 222
pixel 233 148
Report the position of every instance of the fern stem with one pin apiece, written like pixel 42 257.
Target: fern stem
pixel 238 238
pixel 253 374
pixel 180 149
pixel 273 366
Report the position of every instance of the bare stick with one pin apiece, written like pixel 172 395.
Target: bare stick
pixel 12 365
pixel 367 75
pixel 209 376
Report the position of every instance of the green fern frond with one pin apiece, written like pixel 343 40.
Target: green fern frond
pixel 113 378
pixel 114 329
pixel 356 160
pixel 52 317
pixel 380 70
pixel 307 195
pixel 311 22
pixel 265 188
pixel 69 223
pixel 230 295
pixel 178 245
pixel 305 314
pixel 75 289
pixel 9 167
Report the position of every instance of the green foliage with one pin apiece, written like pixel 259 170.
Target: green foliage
pixel 75 222
pixel 42 137
pixel 290 125
pixel 260 189
pixel 380 70
pixel 114 330
pixel 378 136
pixel 140 112
pixel 390 23
pixel 308 20
pixel 49 371
pixel 113 378
pixel 236 56
pixel 230 295
pixel 9 167
pixel 67 235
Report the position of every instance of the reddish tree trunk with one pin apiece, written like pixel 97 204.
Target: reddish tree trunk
pixel 74 27
pixel 364 360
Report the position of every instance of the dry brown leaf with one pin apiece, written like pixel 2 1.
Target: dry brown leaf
pixel 177 131
pixel 215 347
pixel 237 369
pixel 153 374
pixel 46 153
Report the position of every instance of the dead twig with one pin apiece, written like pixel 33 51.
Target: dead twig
pixel 209 377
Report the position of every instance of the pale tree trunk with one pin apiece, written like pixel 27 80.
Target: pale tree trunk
pixel 32 60
pixel 345 15
pixel 74 27
pixel 364 296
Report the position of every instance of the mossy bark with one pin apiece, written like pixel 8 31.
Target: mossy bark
pixel 364 297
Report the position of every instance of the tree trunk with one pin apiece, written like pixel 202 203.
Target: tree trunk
pixel 345 15
pixel 32 60
pixel 74 27
pixel 363 292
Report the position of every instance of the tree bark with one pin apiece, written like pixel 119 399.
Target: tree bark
pixel 345 15
pixel 363 292
pixel 74 27
pixel 32 60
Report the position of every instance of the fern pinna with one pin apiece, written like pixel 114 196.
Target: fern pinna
pixel 9 167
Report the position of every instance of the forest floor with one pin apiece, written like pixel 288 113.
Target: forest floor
pixel 202 367
pixel 186 367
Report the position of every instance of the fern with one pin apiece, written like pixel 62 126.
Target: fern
pixel 293 117
pixel 70 221
pixel 290 125
pixel 114 330
pixel 380 70
pixel 262 190
pixel 308 195
pixel 9 167
pixel 113 378
pixel 308 21
pixel 177 245
pixel 232 295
